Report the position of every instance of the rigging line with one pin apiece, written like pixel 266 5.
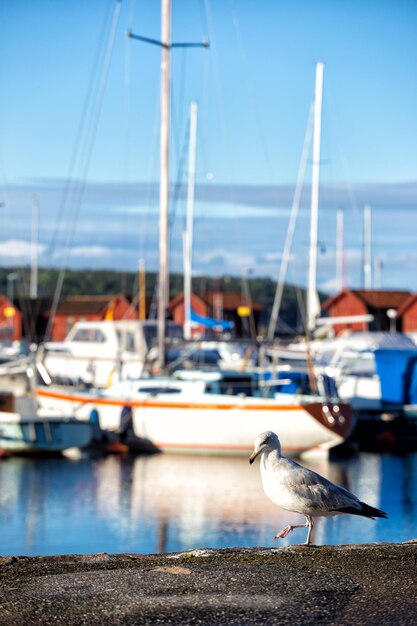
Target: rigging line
pixel 149 196
pixel 127 107
pixel 291 227
pixel 218 86
pixel 180 175
pixel 34 305
pixel 204 106
pixel 127 85
pixel 345 166
pixel 301 298
pixel 127 103
pixel 222 110
pixel 148 192
pixel 250 87
pixel 90 144
pixel 179 185
pixel 177 111
pixel 78 140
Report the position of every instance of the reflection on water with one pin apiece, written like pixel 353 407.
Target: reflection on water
pixel 172 503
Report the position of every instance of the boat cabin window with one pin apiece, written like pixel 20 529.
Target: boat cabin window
pixel 150 334
pixel 92 335
pixel 183 359
pixel 130 342
pixel 235 385
pixel 212 387
pixel 174 331
pixel 360 365
pixel 157 390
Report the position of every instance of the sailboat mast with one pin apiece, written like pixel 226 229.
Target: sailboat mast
pixel 163 279
pixel 312 308
pixel 188 238
pixel 163 285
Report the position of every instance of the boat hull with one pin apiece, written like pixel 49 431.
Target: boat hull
pixel 21 436
pixel 231 430
pixel 218 424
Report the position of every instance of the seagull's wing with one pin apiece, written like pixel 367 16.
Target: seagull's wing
pixel 316 492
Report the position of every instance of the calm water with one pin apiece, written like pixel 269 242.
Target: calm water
pixel 168 503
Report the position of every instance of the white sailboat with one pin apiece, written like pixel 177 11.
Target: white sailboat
pixel 208 412
pixel 195 411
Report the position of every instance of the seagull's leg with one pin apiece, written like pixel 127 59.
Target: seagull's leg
pixel 285 531
pixel 310 524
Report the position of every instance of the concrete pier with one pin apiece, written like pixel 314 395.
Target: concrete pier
pixel 344 585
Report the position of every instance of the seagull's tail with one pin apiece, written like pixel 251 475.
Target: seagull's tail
pixel 365 511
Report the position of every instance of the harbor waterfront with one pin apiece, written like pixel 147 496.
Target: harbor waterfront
pixel 372 584
pixel 167 503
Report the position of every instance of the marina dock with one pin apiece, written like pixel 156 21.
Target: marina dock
pixel 351 584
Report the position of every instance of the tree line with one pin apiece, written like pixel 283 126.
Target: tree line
pixel 108 282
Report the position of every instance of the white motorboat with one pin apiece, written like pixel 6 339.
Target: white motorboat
pixel 94 353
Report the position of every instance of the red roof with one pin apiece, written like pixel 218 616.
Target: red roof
pixel 372 298
pixel 230 301
pixel 406 305
pixel 83 305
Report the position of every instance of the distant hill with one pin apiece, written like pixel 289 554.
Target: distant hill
pixel 98 282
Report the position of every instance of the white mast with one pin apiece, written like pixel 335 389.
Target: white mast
pixel 163 285
pixel 163 281
pixel 367 248
pixel 312 298
pixel 188 235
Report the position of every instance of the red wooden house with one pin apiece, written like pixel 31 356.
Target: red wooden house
pixel 89 308
pixel 230 307
pixel 383 305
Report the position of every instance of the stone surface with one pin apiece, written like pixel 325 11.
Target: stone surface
pixel 369 584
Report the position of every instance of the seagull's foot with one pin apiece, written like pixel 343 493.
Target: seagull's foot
pixel 284 532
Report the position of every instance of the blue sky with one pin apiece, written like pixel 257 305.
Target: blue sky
pixel 254 88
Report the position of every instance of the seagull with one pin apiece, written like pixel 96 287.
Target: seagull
pixel 300 490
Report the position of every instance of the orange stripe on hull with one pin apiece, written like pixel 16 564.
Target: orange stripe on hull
pixel 170 405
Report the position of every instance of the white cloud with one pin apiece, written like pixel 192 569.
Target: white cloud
pixel 18 250
pixel 94 252
pixel 329 286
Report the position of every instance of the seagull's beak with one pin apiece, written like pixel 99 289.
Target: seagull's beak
pixel 254 455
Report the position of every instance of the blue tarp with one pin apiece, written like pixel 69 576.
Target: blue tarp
pixel 209 322
pixel 286 382
pixel 395 369
pixel 297 382
pixel 411 397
